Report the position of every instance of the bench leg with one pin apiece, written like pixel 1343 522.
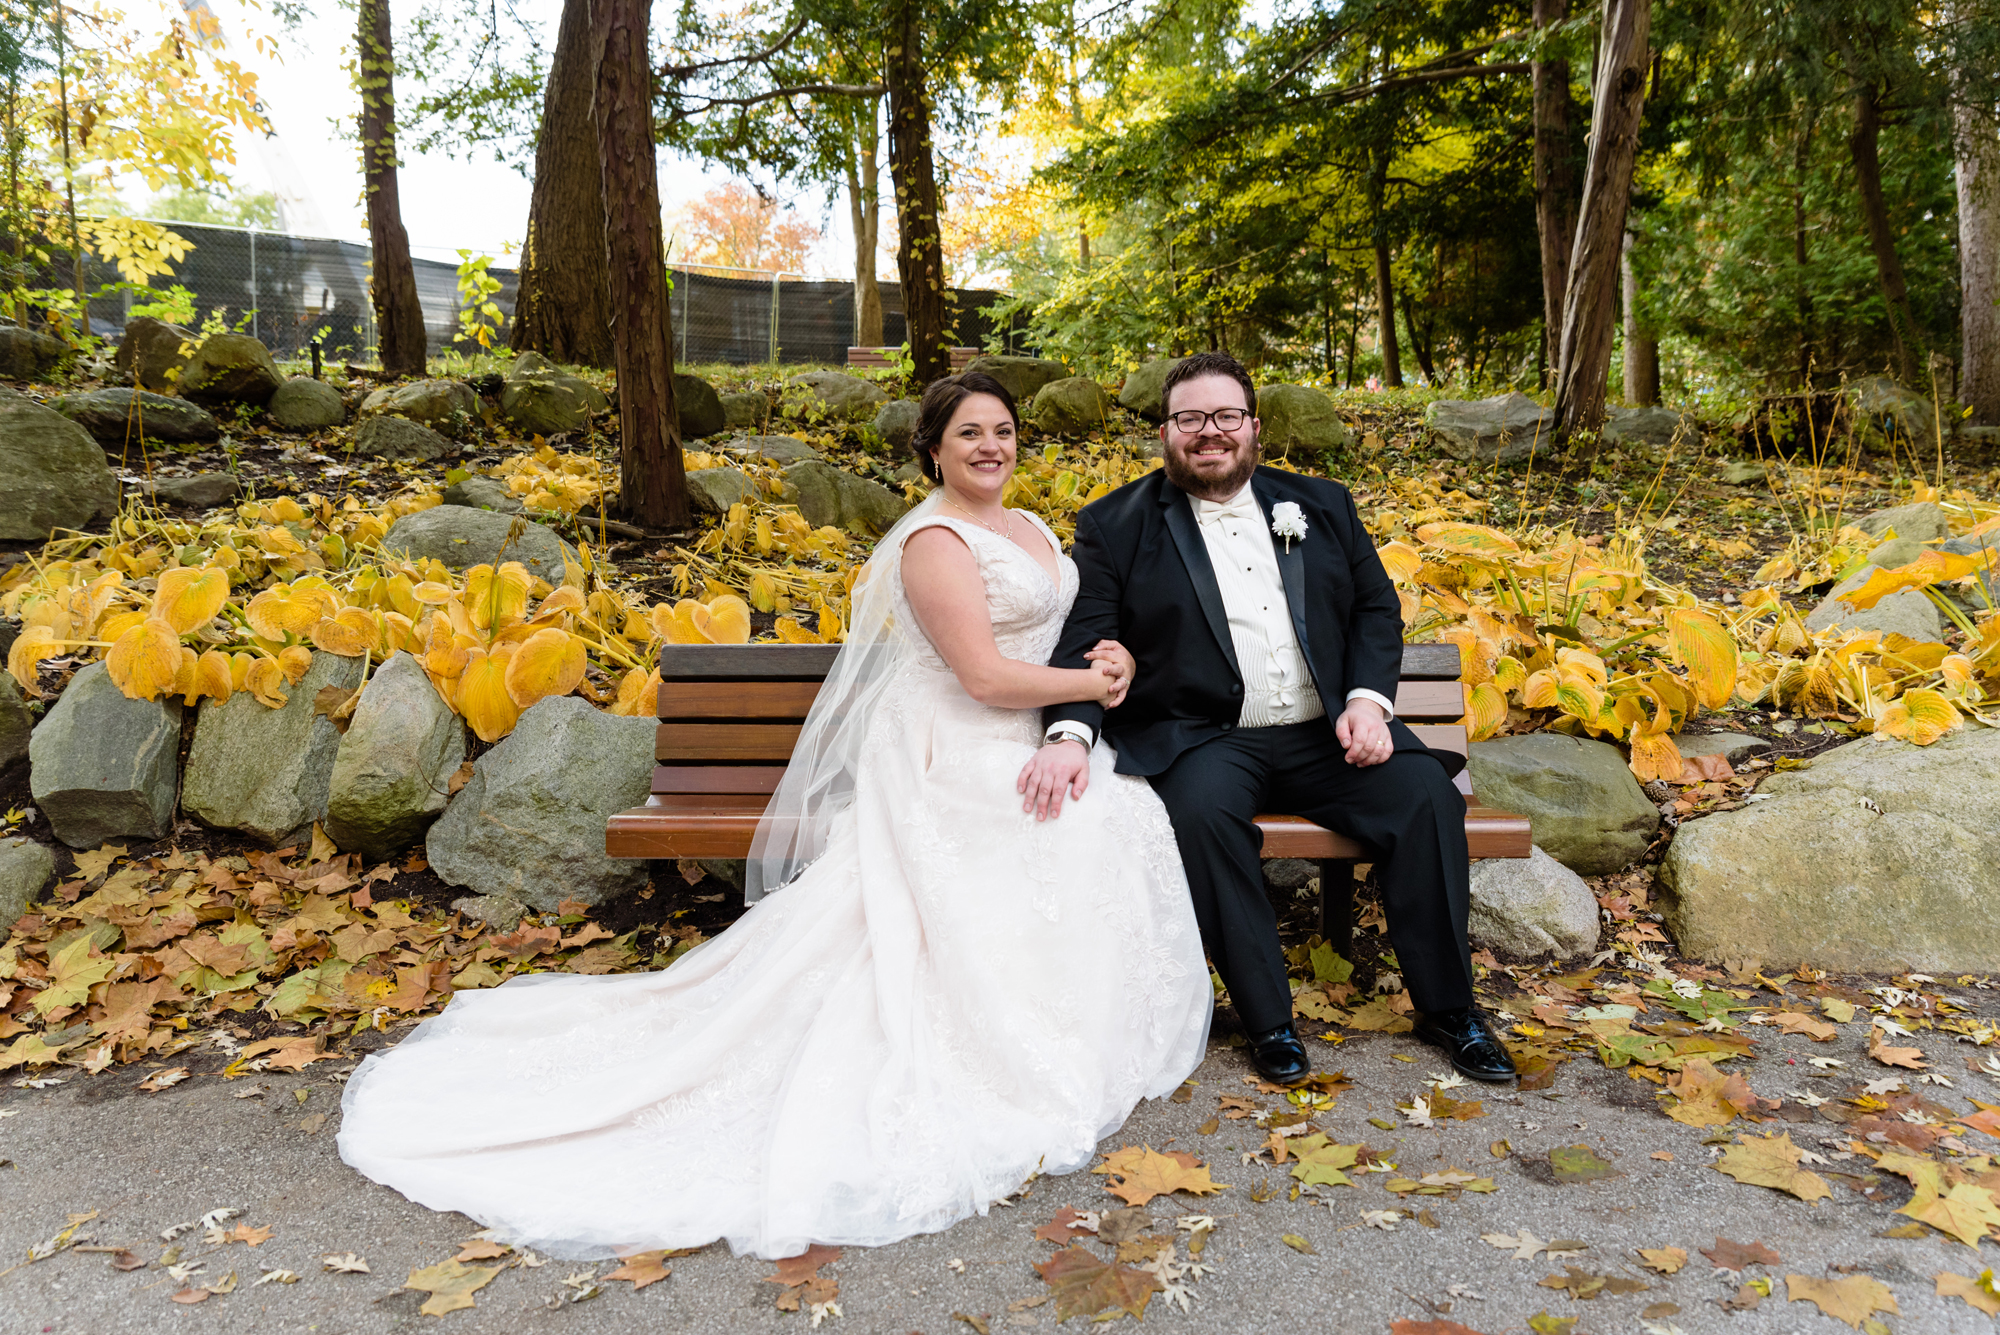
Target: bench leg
pixel 1336 905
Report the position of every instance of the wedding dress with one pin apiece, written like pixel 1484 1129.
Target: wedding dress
pixel 950 997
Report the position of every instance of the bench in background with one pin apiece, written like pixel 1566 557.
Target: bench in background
pixel 877 359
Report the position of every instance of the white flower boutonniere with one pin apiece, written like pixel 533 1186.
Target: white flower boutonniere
pixel 1288 522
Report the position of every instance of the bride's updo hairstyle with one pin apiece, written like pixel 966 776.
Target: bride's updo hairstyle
pixel 940 401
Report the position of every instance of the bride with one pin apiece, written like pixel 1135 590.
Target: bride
pixel 941 993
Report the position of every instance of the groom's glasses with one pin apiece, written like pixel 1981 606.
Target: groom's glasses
pixel 1225 419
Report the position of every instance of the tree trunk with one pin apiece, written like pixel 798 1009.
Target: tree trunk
pixel 1979 262
pixel 1385 291
pixel 920 239
pixel 1417 343
pixel 399 318
pixel 1555 180
pixel 1590 300
pixel 1642 349
pixel 652 482
pixel 1861 146
pixel 563 310
pixel 864 199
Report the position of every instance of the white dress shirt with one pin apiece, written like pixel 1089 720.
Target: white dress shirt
pixel 1278 687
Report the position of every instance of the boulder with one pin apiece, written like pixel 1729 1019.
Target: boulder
pixel 26 868
pixel 840 395
pixel 449 405
pixel 1582 803
pixel 699 407
pixel 26 354
pixel 263 771
pixel 496 911
pixel 1143 386
pixel 1289 875
pixel 1073 406
pixel 1895 552
pixel 828 495
pixel 1524 907
pixel 198 491
pixel 230 368
pixel 101 766
pixel 461 536
pixel 16 724
pixel 113 417
pixel 1298 418
pixel 747 411
pixel 52 474
pixel 305 404
pixel 483 493
pixel 1651 428
pixel 528 363
pixel 1912 614
pixel 400 438
pixel 529 825
pixel 897 422
pixel 1886 410
pixel 394 764
pixel 1877 859
pixel 1923 520
pixel 1501 429
pixel 713 490
pixel 779 449
pixel 544 405
pixel 154 353
pixel 1735 747
pixel 1023 376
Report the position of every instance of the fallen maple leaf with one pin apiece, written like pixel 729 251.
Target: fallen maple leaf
pixel 344 1263
pixel 1584 1286
pixel 255 1237
pixel 1798 1022
pixel 1979 1292
pixel 1544 1324
pixel 481 1249
pixel 1136 1175
pixel 1708 1097
pixel 1087 1286
pixel 1910 1059
pixel 275 1277
pixel 1772 1161
pixel 166 1079
pixel 1729 1255
pixel 451 1285
pixel 1386 1220
pixel 1524 1245
pixel 1580 1163
pixel 643 1269
pixel 1063 1228
pixel 1320 1162
pixel 1666 1260
pixel 1852 1300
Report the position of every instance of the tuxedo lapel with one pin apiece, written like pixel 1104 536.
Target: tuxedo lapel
pixel 1291 566
pixel 1201 572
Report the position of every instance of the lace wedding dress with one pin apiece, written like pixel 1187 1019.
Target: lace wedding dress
pixel 951 997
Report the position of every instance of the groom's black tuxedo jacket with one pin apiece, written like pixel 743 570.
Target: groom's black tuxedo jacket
pixel 1146 581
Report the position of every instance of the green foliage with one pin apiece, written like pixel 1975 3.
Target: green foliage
pixel 480 318
pixel 174 304
pixel 203 204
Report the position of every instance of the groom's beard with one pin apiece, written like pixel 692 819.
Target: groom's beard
pixel 1212 486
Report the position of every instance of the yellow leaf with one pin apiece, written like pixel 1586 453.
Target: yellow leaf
pixel 638 694
pixel 188 598
pixel 30 648
pixel 1400 559
pixel 430 591
pixel 1136 1175
pixel 264 678
pixel 1772 1161
pixel 145 660
pixel 1979 1292
pixel 763 591
pixel 549 662
pixel 295 662
pixel 212 678
pixel 451 1285
pixel 1852 1300
pixel 72 973
pixel 339 639
pixel 495 597
pixel 482 696
pixel 1655 757
pixel 1486 710
pixel 1539 690
pixel 1704 647
pixel 1920 717
pixel 1468 540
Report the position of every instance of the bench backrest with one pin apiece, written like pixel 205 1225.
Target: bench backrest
pixel 875 359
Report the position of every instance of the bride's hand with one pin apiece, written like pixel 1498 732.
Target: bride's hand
pixel 1110 686
pixel 1111 655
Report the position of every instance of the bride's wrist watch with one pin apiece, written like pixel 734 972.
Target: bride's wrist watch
pixel 1069 732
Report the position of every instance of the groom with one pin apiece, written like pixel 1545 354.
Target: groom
pixel 1255 606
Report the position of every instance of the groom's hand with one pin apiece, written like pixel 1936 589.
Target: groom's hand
pixel 1364 730
pixel 1058 769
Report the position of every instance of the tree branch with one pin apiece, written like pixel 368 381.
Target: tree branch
pixel 709 104
pixel 683 71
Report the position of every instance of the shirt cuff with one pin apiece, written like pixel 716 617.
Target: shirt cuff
pixel 1363 693
pixel 1069 731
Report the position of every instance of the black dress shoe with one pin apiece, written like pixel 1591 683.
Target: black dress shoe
pixel 1467 1037
pixel 1279 1056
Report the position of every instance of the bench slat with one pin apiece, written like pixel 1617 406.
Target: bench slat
pixel 726 741
pixel 810 662
pixel 717 779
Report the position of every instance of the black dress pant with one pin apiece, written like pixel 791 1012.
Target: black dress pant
pixel 1404 809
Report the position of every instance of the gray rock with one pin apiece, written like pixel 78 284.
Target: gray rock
pixel 25 354
pixel 530 823
pixel 400 438
pixel 1923 520
pixel 110 416
pixel 1582 803
pixel 52 474
pixel 154 353
pixel 1895 552
pixel 1531 906
pixel 699 406
pixel 483 493
pixel 747 411
pixel 1023 376
pixel 446 405
pixel 461 536
pixel 230 368
pixel 1742 472
pixel 1735 747
pixel 841 395
pixel 828 495
pixel 104 767
pixel 1910 614
pixel 200 491
pixel 1297 418
pixel 911 472
pixel 16 724
pixel 496 911
pixel 528 363
pixel 1143 386
pixel 730 871
pixel 26 868
pixel 393 768
pixel 897 422
pixel 1810 874
pixel 1073 406
pixel 713 490
pixel 263 771
pixel 1651 427
pixel 1501 429
pixel 779 449
pixel 1886 409
pixel 548 402
pixel 1289 874
pixel 305 404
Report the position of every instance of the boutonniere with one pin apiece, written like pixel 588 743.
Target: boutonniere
pixel 1288 522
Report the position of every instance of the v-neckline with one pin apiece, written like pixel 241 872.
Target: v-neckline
pixel 1054 578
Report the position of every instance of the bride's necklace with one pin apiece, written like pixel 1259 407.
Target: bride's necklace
pixel 1007 533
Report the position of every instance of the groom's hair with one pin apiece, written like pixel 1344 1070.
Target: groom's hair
pixel 1208 364
pixel 940 401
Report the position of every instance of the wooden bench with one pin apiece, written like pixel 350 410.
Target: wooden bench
pixel 877 359
pixel 730 714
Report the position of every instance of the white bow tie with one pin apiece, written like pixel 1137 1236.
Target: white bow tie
pixel 1242 506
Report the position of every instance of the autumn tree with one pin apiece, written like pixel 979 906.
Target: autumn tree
pixel 734 226
pixel 399 318
pixel 563 309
